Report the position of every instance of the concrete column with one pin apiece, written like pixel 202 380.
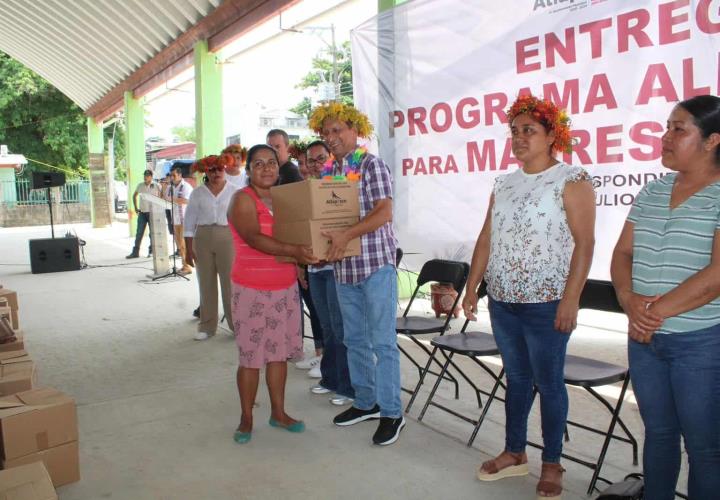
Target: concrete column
pixel 100 214
pixel 134 150
pixel 208 102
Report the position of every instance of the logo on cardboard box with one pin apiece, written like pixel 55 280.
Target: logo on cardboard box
pixel 335 199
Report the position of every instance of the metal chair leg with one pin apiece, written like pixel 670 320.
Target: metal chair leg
pixel 486 407
pixel 435 387
pixel 420 382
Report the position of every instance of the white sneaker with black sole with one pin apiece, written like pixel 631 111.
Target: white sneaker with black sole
pixel 388 430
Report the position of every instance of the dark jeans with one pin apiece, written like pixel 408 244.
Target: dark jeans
pixel 168 216
pixel 533 354
pixel 334 364
pixel 676 379
pixel 315 326
pixel 143 221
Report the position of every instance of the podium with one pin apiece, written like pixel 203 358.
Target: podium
pixel 158 226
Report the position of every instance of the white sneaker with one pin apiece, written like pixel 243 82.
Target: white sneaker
pixel 318 389
pixel 340 400
pixel 308 363
pixel 315 372
pixel 202 336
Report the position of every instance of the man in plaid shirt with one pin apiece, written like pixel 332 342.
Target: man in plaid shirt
pixel 367 283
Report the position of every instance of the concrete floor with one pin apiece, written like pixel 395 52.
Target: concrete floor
pixel 157 410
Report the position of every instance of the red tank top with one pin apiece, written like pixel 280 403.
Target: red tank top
pixel 255 269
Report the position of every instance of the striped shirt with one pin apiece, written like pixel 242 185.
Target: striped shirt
pixel 377 248
pixel 669 246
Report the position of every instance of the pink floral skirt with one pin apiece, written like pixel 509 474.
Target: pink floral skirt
pixel 267 325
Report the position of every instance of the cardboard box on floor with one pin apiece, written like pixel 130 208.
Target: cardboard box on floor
pixel 12 302
pixel 41 424
pixel 17 345
pixel 17 372
pixel 309 233
pixel 27 482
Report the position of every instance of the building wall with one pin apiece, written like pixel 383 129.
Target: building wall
pixel 38 215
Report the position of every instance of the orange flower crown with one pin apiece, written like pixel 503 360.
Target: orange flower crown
pixel 203 164
pixel 234 149
pixel 550 116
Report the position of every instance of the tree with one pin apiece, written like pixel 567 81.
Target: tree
pixel 184 133
pixel 322 71
pixel 38 121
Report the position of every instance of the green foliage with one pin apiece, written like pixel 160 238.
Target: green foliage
pixel 185 133
pixel 322 71
pixel 38 121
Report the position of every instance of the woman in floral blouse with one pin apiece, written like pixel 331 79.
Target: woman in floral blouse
pixel 534 251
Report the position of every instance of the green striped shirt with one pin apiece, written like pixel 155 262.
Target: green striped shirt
pixel 669 246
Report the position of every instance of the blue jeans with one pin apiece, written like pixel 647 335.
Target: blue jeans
pixel 676 379
pixel 368 311
pixel 533 354
pixel 143 221
pixel 315 325
pixel 334 364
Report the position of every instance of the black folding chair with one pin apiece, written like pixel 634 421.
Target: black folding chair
pixel 473 344
pixel 440 271
pixel 589 373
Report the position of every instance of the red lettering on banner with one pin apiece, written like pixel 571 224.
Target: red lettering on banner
pixel 595 30
pixel 667 21
pixel 600 94
pixel 638 135
pixel 553 45
pixel 473 114
pixel 702 15
pixel 665 89
pixel 581 140
pixel 641 18
pixel 451 165
pixel 417 167
pixel 507 157
pixel 604 143
pixel 495 104
pixel 570 99
pixel 478 160
pixel 435 162
pixel 441 107
pixel 523 53
pixel 398 119
pixel 407 165
pixel 689 89
pixel 416 118
pixel 420 167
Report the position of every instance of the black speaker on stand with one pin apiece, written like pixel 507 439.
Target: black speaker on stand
pixel 51 255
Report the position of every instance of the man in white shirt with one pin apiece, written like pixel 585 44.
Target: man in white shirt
pixel 142 209
pixel 178 192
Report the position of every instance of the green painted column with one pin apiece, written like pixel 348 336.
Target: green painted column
pixel 208 102
pixel 384 5
pixel 134 150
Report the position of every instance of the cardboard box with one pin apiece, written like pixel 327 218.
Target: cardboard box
pixel 309 233
pixel 27 482
pixel 62 463
pixel 314 199
pixel 17 345
pixel 36 420
pixel 17 372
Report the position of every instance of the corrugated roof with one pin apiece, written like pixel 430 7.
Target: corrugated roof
pixel 87 47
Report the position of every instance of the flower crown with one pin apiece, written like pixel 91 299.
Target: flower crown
pixel 341 112
pixel 203 164
pixel 234 149
pixel 554 119
pixel 298 147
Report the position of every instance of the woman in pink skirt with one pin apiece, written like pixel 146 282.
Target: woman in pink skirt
pixel 266 307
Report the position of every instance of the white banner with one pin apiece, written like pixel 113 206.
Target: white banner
pixel 435 77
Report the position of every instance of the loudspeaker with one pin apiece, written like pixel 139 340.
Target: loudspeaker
pixel 52 255
pixel 42 180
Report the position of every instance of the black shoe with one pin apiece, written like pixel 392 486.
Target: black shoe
pixel 353 415
pixel 196 312
pixel 388 430
pixel 133 255
pixel 150 253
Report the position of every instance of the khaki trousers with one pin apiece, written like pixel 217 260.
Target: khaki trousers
pixel 180 243
pixel 214 255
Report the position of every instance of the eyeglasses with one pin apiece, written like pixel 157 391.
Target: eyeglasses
pixel 260 164
pixel 320 160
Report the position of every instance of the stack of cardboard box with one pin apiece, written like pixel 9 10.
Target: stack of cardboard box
pixel 37 426
pixel 41 425
pixel 302 211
